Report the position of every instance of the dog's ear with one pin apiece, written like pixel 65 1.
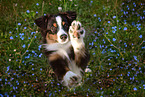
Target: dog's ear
pixel 71 15
pixel 42 22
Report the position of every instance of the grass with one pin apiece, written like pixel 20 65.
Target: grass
pixel 115 39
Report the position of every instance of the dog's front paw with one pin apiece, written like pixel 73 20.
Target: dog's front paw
pixel 71 79
pixel 76 31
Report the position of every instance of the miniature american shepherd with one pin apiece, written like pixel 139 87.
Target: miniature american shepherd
pixel 64 46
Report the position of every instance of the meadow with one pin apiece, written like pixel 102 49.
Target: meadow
pixel 115 38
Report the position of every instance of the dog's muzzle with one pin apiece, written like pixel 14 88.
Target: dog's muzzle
pixel 63 37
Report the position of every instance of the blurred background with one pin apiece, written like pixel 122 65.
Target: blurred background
pixel 115 39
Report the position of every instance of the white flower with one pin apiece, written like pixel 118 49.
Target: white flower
pixel 14 50
pixel 9 59
pixel 59 8
pixel 88 70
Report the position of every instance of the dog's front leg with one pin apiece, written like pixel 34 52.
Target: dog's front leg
pixel 61 69
pixel 77 34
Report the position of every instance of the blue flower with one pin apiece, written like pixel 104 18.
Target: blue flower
pixel 19 24
pixel 33 51
pixel 10 32
pixel 33 33
pixel 125 28
pixel 108 21
pixel 36 12
pixel 39 47
pixel 21 34
pixel 113 31
pixel 95 15
pixel 114 17
pixel 135 57
pixel 139 28
pixel 140 36
pixel 26 57
pixel 143 47
pixel 114 39
pixel 11 37
pixel 25 27
pixel 22 38
pixel 8 68
pixel 141 17
pixel 24 46
pixel 134 4
pixel 135 89
pixel 99 19
pixel 28 11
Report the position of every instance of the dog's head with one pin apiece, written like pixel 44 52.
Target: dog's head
pixel 55 27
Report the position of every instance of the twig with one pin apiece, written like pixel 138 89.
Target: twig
pixel 114 45
pixel 42 6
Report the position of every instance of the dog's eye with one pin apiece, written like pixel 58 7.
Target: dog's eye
pixel 65 25
pixel 53 29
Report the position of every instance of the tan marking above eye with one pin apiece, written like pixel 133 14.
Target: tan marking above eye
pixel 54 24
pixel 63 23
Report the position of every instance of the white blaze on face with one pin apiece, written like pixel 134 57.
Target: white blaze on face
pixel 60 30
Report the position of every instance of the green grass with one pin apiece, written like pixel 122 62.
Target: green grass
pixel 115 39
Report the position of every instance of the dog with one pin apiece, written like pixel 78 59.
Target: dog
pixel 64 46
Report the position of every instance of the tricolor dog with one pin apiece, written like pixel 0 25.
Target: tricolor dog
pixel 64 46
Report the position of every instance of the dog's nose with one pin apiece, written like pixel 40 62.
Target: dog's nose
pixel 63 36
